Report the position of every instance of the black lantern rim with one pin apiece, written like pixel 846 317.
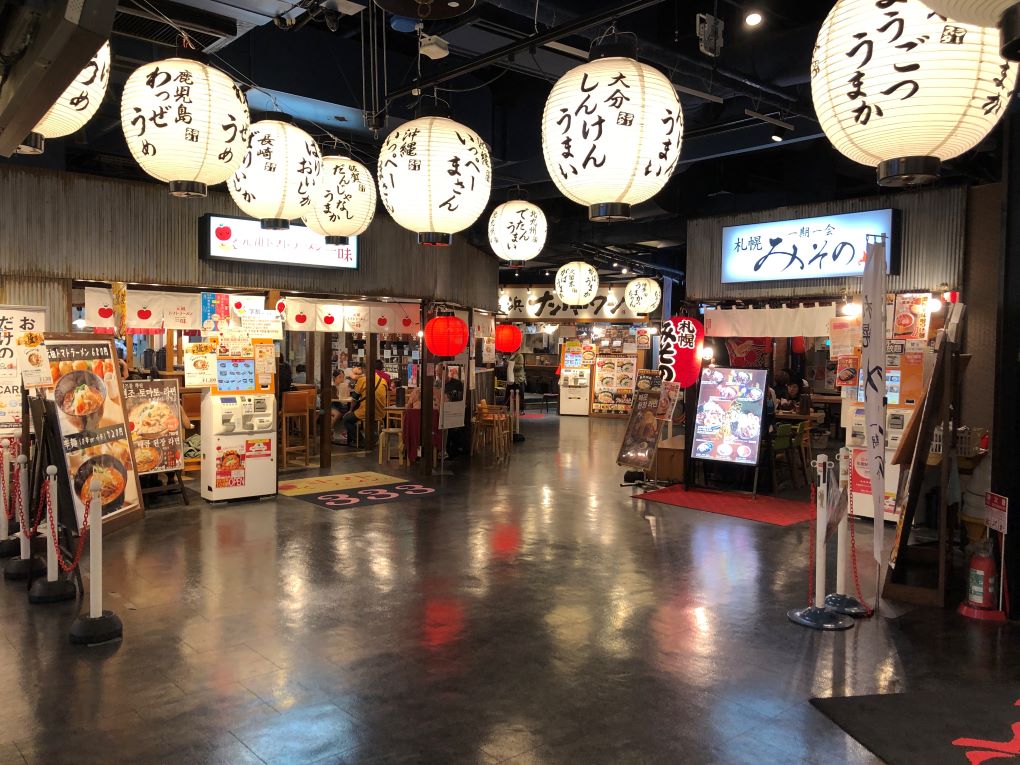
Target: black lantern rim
pixel 614 46
pixel 275 224
pixel 605 212
pixel 906 172
pixel 338 240
pixel 1009 25
pixel 435 239
pixel 187 189
pixel 33 145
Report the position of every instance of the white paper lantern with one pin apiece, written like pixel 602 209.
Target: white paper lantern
pixel 76 106
pixel 901 88
pixel 642 295
pixel 1004 14
pixel 185 124
pixel 517 230
pixel 434 178
pixel 611 134
pixel 577 283
pixel 278 174
pixel 343 202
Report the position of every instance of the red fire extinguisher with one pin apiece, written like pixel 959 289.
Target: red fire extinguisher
pixel 983 585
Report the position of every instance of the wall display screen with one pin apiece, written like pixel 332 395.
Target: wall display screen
pixel 243 239
pixel 729 420
pixel 807 248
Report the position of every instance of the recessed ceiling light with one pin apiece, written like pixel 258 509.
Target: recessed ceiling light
pixel 777 136
pixel 453 4
pixel 753 19
pixel 615 264
pixel 625 270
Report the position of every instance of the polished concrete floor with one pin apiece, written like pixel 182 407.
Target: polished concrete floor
pixel 531 614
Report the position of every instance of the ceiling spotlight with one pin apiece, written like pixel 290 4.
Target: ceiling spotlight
pixel 624 270
pixel 615 264
pixel 753 19
pixel 779 133
pixel 547 273
pixel 517 273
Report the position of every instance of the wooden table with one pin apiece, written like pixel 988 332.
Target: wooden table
pixel 822 398
pixel 798 417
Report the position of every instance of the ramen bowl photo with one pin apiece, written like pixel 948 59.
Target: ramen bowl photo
pixel 112 477
pixel 80 394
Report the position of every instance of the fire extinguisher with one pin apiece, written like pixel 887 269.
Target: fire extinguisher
pixel 982 580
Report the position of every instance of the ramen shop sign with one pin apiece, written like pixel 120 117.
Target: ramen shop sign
pixel 244 240
pixel 680 342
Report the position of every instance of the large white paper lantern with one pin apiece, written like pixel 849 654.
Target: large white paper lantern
pixel 1004 14
pixel 577 283
pixel 76 106
pixel 899 87
pixel 517 230
pixel 611 134
pixel 278 174
pixel 343 202
pixel 434 178
pixel 642 295
pixel 186 124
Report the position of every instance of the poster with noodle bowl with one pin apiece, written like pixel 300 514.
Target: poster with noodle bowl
pixel 154 424
pixel 93 428
pixel 729 420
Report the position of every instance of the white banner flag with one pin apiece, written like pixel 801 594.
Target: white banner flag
pixel 144 310
pixel 873 365
pixel 99 311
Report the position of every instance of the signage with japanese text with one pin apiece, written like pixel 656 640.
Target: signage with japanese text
pixel 524 303
pixel 681 341
pixel 806 248
pixel 996 511
pixel 642 436
pixel 154 423
pixel 243 239
pixel 728 424
pixel 15 322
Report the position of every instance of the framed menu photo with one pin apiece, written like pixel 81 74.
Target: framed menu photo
pixel 728 424
pixel 154 423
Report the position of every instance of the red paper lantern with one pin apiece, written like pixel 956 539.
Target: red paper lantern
pixel 680 344
pixel 446 336
pixel 508 338
pixel 797 345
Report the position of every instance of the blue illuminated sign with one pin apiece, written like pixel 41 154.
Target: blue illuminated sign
pixel 807 248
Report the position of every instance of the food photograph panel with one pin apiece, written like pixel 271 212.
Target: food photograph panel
pixel 154 423
pixel 728 423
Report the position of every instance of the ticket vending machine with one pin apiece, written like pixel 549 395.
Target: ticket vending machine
pixel 238 445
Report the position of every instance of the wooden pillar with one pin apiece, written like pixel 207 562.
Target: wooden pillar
pixel 170 350
pixel 426 382
pixel 325 397
pixel 370 413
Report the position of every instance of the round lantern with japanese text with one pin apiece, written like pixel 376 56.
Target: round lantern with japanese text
pixel 508 338
pixel 186 124
pixel 680 342
pixel 611 134
pixel 1004 14
pixel 517 230
pixel 446 336
pixel 577 283
pixel 343 202
pixel 434 178
pixel 642 295
pixel 76 106
pixel 278 174
pixel 901 88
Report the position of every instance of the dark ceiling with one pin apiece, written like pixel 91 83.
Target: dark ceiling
pixel 308 58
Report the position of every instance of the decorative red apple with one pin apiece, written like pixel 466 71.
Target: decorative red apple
pixel 407 322
pixel 328 319
pixel 301 318
pixel 280 306
pixel 144 314
pixel 223 233
pixel 105 312
pixel 238 304
pixel 381 321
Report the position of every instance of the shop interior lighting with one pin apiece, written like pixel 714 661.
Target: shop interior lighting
pixel 851 309
pixel 707 353
pixel 934 305
pixel 753 18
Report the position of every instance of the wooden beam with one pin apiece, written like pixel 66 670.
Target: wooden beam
pixel 325 396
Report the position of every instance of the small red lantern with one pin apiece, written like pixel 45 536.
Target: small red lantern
pixel 508 338
pixel 446 336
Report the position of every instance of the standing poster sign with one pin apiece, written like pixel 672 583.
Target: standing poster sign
pixel 154 422
pixel 642 436
pixel 93 429
pixel 873 370
pixel 15 322
pixel 728 423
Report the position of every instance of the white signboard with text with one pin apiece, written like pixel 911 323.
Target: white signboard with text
pixel 15 322
pixel 806 248
pixel 524 303
pixel 243 239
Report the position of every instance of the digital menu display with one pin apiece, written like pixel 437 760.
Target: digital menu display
pixel 235 375
pixel 728 423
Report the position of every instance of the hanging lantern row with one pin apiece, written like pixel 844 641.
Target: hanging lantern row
pixel 642 295
pixel 577 283
pixel 900 88
pixel 343 202
pixel 508 338
pixel 446 336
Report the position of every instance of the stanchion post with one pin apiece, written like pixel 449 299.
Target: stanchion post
pixel 840 601
pixel 99 626
pixel 52 589
pixel 9 546
pixel 24 566
pixel 816 616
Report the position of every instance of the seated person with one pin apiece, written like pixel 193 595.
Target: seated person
pixel 342 389
pixel 359 406
pixel 788 399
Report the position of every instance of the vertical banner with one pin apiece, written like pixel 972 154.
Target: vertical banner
pixel 17 321
pixel 329 317
pixel 154 423
pixel 182 310
pixel 873 366
pixel 144 311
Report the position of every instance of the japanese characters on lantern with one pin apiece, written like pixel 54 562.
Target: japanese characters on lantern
pixel 680 343
pixel 278 174
pixel 896 85
pixel 185 123
pixel 343 203
pixel 76 106
pixel 611 134
pixel 642 295
pixel 577 283
pixel 434 178
pixel 517 230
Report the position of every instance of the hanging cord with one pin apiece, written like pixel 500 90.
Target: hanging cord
pixel 853 549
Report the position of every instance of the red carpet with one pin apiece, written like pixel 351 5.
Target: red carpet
pixel 778 512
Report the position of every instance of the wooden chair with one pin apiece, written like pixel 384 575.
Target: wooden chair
pixel 783 447
pixel 387 438
pixel 491 431
pixel 191 405
pixel 311 397
pixel 802 442
pixel 294 411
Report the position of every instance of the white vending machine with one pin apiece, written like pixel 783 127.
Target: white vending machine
pixel 238 445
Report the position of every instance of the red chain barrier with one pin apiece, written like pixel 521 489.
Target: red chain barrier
pixel 812 531
pixel 3 487
pixel 14 497
pixel 879 528
pixel 67 568
pixel 44 496
pixel 18 505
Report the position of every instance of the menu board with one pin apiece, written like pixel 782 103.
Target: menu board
pixel 258 322
pixel 728 423
pixel 200 364
pixel 668 399
pixel 93 429
pixel 910 317
pixel 615 378
pixel 642 435
pixel 15 322
pixel 235 375
pixel 847 367
pixel 154 423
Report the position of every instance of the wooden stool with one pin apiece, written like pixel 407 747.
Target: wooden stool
pixel 386 437
pixel 294 410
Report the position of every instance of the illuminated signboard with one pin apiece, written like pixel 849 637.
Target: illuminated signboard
pixel 807 248
pixel 243 239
